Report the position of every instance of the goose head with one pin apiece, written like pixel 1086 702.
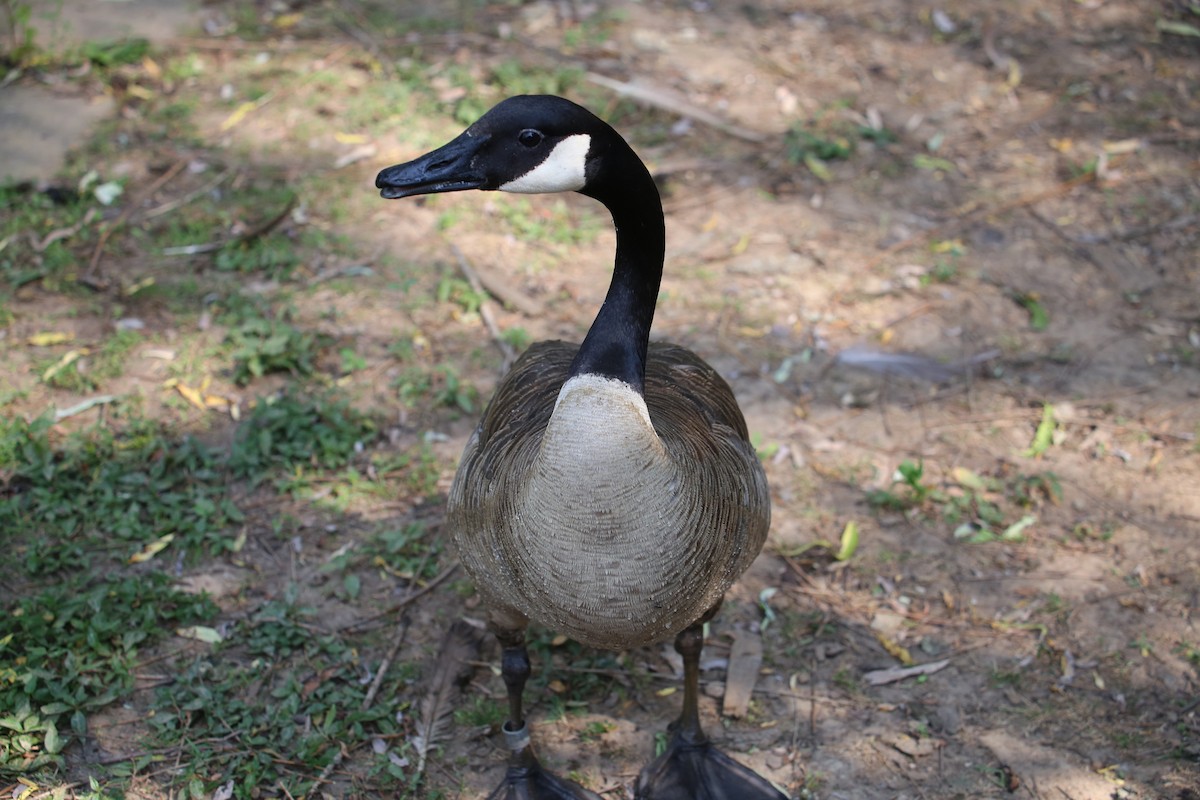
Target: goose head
pixel 533 144
pixel 527 144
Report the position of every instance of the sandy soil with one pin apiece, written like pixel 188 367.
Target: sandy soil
pixel 1044 156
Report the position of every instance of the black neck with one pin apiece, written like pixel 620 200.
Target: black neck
pixel 615 345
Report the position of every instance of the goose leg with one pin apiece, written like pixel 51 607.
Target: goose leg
pixel 525 778
pixel 691 768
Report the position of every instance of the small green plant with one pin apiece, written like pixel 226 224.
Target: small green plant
pixel 45 234
pixel 906 490
pixel 823 138
pixel 481 712
pixel 105 492
pixel 441 385
pixel 982 508
pixel 457 291
pixel 517 338
pixel 115 53
pixel 595 730
pixel 276 255
pixel 293 431
pixel 553 222
pixel 290 696
pixel 263 343
pixel 19 32
pixel 844 679
pixel 513 77
pixel 71 649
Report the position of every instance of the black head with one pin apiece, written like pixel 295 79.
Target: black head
pixel 529 144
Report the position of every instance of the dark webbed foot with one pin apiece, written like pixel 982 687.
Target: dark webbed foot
pixel 527 780
pixel 699 771
pixel 691 768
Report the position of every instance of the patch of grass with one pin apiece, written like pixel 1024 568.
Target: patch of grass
pixel 481 712
pixel 572 675
pixel 595 730
pixel 70 649
pixel 844 679
pixel 291 432
pixel 983 508
pixel 907 489
pixel 264 341
pixel 517 338
pixel 84 371
pixel 275 255
pixel 455 290
pixel 44 233
pixel 273 705
pixel 512 77
pixel 439 385
pixel 106 492
pixel 20 34
pixel 1001 678
pixel 827 137
pixel 552 222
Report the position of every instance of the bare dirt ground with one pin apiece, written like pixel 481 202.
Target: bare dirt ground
pixel 1028 231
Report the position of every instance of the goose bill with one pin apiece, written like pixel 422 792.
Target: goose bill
pixel 450 168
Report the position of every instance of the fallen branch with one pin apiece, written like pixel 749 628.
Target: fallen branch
pixel 248 236
pixel 88 277
pixel 485 309
pixel 940 231
pixel 881 676
pixel 397 642
pixel 408 600
pixel 40 245
pixel 660 98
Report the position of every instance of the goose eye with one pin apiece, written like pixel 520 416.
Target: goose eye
pixel 530 138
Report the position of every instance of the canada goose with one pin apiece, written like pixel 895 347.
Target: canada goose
pixel 610 491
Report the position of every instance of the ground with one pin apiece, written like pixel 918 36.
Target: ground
pixel 945 254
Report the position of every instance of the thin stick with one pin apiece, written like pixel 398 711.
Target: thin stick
pixel 659 98
pixel 485 308
pixel 1023 200
pixel 88 277
pixel 408 600
pixel 380 674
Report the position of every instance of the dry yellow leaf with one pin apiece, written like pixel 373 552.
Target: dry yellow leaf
pixel 896 651
pixel 667 692
pixel 134 288
pixel 238 115
pixel 557 686
pixel 67 360
pixel 740 246
pixel 349 138
pixel 51 338
pixel 285 21
pixel 191 395
pixel 1014 74
pixel 151 550
pixel 1122 147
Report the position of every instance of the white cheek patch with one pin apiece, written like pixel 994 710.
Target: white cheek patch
pixel 562 171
